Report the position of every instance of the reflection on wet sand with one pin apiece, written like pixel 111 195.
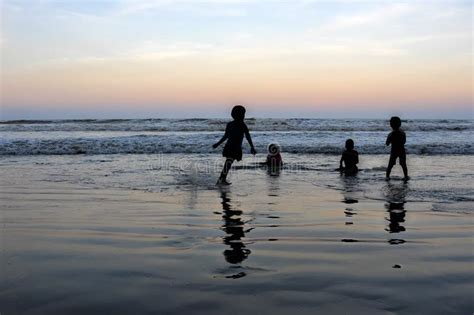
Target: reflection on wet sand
pixel 273 182
pixel 395 195
pixel 234 227
pixel 350 187
pixel 397 216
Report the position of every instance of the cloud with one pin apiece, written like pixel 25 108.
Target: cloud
pixel 205 7
pixel 150 50
pixel 131 7
pixel 242 36
pixel 146 51
pixel 379 15
pixel 399 29
pixel 384 29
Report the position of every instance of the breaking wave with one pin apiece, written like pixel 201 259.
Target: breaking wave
pixel 154 144
pixel 255 124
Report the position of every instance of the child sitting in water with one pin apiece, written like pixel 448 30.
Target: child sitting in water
pixel 397 139
pixel 350 157
pixel 234 134
pixel 274 161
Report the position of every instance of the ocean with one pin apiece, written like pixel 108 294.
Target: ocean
pixel 139 136
pixel 147 154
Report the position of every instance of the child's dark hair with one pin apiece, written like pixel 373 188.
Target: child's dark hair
pixel 349 144
pixel 395 122
pixel 238 112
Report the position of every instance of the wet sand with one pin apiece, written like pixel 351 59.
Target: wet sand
pixel 272 244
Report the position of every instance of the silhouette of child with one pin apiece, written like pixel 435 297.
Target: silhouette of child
pixel 397 139
pixel 274 160
pixel 234 134
pixel 350 157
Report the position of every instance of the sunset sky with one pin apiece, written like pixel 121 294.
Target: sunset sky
pixel 298 58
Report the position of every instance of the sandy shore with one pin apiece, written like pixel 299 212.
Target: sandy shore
pixel 269 244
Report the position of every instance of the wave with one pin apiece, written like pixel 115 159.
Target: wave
pixel 181 144
pixel 255 124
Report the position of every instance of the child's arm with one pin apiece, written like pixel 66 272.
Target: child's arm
pixel 224 138
pixel 249 139
pixel 389 139
pixel 340 162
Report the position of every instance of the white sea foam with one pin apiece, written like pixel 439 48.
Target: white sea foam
pixel 255 124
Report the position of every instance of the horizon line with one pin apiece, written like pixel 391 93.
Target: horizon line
pixel 220 118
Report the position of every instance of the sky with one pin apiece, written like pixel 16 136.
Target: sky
pixel 193 58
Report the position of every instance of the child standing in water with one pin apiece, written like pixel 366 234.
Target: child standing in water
pixel 350 157
pixel 234 134
pixel 397 139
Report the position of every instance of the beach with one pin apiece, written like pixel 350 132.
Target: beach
pixel 152 234
pixel 222 157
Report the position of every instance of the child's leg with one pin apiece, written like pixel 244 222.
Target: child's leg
pixel 389 170
pixel 405 169
pixel 226 168
pixel 403 164
pixel 391 163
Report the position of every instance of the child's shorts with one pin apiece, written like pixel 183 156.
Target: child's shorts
pixel 232 153
pixel 402 158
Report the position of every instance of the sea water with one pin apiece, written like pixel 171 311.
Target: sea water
pixel 149 154
pixel 138 136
